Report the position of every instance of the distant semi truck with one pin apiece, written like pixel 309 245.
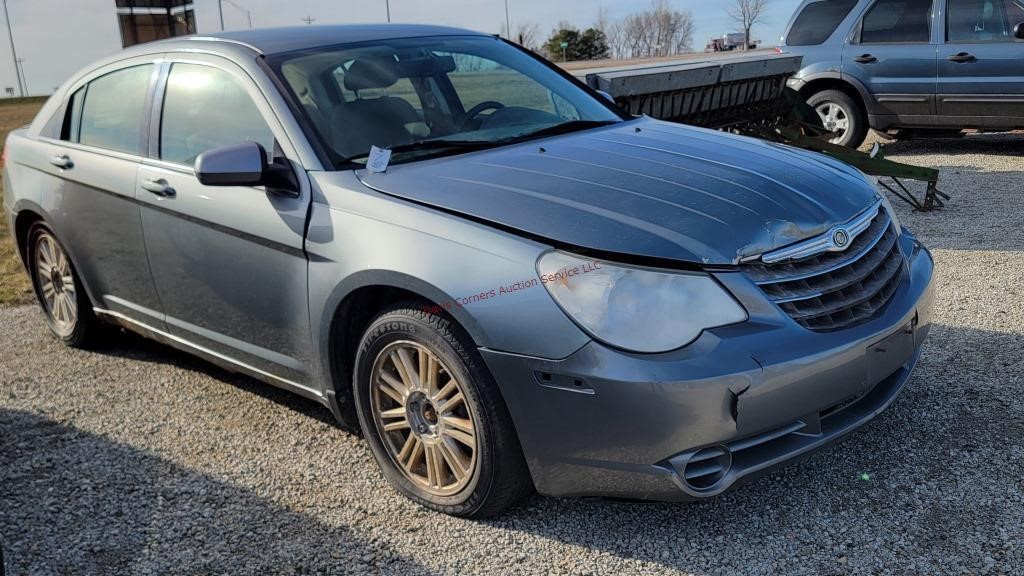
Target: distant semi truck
pixel 729 42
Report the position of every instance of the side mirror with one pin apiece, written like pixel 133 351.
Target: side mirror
pixel 606 96
pixel 1018 31
pixel 244 164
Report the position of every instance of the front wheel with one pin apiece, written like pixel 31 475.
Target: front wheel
pixel 842 116
pixel 59 290
pixel 434 418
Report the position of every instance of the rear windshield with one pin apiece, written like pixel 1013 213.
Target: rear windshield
pixel 818 21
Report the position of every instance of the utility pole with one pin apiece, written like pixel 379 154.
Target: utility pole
pixel 248 13
pixel 14 52
pixel 309 20
pixel 508 23
pixel 387 6
pixel 21 75
pixel 220 8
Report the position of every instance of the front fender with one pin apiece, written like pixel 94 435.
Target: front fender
pixel 484 278
pixel 825 71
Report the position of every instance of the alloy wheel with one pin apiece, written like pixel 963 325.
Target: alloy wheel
pixel 836 120
pixel 420 410
pixel 56 283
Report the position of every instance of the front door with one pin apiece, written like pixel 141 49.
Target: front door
pixel 228 262
pixel 892 54
pixel 981 65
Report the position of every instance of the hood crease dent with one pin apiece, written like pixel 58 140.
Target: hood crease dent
pixel 642 188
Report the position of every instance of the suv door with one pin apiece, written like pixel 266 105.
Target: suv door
pixel 892 54
pixel 228 262
pixel 89 194
pixel 981 65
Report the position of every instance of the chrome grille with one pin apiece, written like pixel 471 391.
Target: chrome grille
pixel 836 290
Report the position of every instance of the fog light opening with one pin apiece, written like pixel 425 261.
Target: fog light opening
pixel 707 468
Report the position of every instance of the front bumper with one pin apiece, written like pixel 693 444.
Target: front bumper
pixel 739 401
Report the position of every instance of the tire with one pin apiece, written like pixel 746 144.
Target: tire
pixel 59 290
pixel 837 110
pixel 408 425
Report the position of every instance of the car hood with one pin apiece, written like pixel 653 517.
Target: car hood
pixel 643 188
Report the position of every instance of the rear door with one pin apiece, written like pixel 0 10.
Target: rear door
pixel 89 194
pixel 981 64
pixel 891 51
pixel 228 262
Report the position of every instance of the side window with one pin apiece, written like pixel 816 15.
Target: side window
pixel 818 21
pixel 206 108
pixel 897 21
pixel 983 20
pixel 111 114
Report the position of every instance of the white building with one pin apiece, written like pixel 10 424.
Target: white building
pixel 54 38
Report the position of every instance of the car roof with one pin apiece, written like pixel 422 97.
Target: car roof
pixel 270 41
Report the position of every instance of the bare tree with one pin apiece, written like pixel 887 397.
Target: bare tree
pixel 526 34
pixel 659 31
pixel 612 33
pixel 747 13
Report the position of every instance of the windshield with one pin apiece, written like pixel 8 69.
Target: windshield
pixel 423 97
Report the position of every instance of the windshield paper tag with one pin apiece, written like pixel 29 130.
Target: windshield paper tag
pixel 378 160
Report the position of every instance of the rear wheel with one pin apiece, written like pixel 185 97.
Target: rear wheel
pixel 59 290
pixel 433 416
pixel 842 116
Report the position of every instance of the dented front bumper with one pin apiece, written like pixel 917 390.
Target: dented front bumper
pixel 738 401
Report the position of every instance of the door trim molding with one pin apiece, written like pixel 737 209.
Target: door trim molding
pixel 215 357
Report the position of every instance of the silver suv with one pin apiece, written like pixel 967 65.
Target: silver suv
pixel 911 67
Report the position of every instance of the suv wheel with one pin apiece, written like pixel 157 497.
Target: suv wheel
pixel 59 291
pixel 841 115
pixel 434 418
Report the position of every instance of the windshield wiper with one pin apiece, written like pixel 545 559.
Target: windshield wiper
pixel 428 145
pixel 563 128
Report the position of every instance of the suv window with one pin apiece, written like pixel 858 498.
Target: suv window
pixel 897 21
pixel 817 21
pixel 983 20
pixel 206 108
pixel 111 116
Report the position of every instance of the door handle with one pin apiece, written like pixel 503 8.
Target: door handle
pixel 159 187
pixel 961 58
pixel 62 162
pixel 865 59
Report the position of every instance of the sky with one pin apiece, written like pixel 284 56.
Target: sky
pixel 489 15
pixel 55 38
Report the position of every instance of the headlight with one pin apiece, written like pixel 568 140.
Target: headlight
pixel 885 201
pixel 892 212
pixel 636 309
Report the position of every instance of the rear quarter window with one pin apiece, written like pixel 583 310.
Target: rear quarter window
pixel 817 21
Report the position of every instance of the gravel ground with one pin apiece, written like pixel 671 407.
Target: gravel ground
pixel 141 460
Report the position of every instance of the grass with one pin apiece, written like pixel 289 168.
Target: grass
pixel 15 287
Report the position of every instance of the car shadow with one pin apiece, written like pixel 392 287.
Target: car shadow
pixel 78 503
pixel 995 144
pixel 126 344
